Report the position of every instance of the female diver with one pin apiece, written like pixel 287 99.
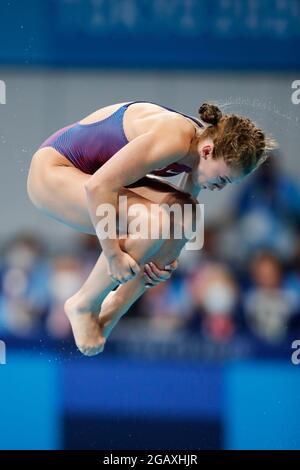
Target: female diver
pixel 110 153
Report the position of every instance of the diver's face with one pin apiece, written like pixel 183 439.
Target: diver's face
pixel 213 173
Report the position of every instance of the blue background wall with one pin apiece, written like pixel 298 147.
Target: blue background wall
pixel 30 411
pixel 262 406
pixel 117 403
pixel 199 34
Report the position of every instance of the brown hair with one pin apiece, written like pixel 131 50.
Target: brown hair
pixel 237 139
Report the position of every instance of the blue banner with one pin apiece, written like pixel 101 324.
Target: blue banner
pixel 199 34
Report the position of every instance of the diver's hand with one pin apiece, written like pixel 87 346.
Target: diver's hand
pixel 122 267
pixel 154 275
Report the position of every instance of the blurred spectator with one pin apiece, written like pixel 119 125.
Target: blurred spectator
pixel 65 279
pixel 214 296
pixel 165 306
pixel 88 250
pixel 274 189
pixel 269 303
pixel 189 260
pixel 24 286
pixel 268 209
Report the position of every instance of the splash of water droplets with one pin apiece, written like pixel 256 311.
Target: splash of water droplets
pixel 257 104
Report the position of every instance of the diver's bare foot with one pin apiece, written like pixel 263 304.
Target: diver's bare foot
pixel 86 328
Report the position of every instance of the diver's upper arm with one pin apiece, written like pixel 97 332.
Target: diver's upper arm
pixel 161 146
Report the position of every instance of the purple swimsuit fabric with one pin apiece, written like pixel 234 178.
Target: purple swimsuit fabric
pixel 89 146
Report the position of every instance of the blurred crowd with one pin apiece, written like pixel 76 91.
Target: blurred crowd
pixel 244 283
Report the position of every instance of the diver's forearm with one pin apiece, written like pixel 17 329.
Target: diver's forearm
pixel 102 206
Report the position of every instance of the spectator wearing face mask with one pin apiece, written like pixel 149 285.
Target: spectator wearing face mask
pixel 214 296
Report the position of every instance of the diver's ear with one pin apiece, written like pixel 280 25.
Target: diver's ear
pixel 207 151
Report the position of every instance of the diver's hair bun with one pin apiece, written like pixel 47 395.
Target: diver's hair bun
pixel 210 113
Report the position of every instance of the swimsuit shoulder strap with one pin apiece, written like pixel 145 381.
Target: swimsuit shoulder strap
pixel 166 107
